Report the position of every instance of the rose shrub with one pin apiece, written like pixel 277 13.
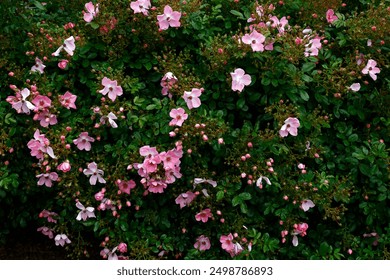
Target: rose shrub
pixel 211 129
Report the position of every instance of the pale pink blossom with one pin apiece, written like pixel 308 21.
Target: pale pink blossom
pixel 371 69
pixel 110 117
pixel 40 145
pixel 290 126
pixel 301 166
pixel 312 48
pixel 240 79
pixel 147 151
pixel 141 6
pixel 255 39
pixel 68 100
pixel 45 118
pixel 47 179
pixel 279 24
pixel 69 46
pixel 20 104
pixel 49 215
pixel 167 83
pixel 259 181
pixel 85 213
pixel 170 18
pixel 46 231
pixel 178 117
pixel 192 98
pixel 202 180
pixel 95 172
pixel 42 102
pixel 39 66
pixel 110 255
pixel 307 204
pixel 61 239
pixel 99 196
pixel 185 199
pixel 91 11
pixel 111 87
pixel 83 142
pixel 202 243
pixel 122 247
pixel 203 215
pixel 237 249
pixel 64 167
pixel 330 16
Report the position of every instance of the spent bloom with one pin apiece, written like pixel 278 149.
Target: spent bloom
pixel 202 243
pixel 126 186
pixel 178 117
pixel 307 204
pixel 255 39
pixel 39 145
pixel 240 79
pixel 95 172
pixel 61 239
pixel 91 11
pixel 330 16
pixel 68 46
pixel 49 215
pixel 167 82
pixel 290 126
pixel 203 215
pixel 85 213
pixel 279 24
pixel 371 69
pixel 83 141
pixel 170 18
pixel 312 48
pixel 185 199
pixel 355 87
pixel 259 181
pixel 110 117
pixel 111 87
pixel 299 230
pixel 192 98
pixel 141 6
pixel 38 67
pixel 201 180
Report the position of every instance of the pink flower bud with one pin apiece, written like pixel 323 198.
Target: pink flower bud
pixel 220 141
pixel 222 220
pixel 63 63
pixel 219 213
pixel 11 74
pixel 205 138
pixel 172 134
pixel 250 145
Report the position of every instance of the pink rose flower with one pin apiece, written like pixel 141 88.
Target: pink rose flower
pixel 202 243
pixel 203 215
pixel 38 67
pixel 240 79
pixel 111 87
pixel 330 16
pixel 91 11
pixel 290 126
pixel 170 18
pixel 255 39
pixel 83 142
pixel 178 117
pixel 192 98
pixel 371 69
pixel 63 63
pixel 64 167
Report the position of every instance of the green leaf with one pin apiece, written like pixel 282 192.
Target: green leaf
pixel 245 196
pixel 236 200
pixel 94 25
pixel 39 5
pixel 304 95
pixel 238 14
pixel 220 195
pixel 308 66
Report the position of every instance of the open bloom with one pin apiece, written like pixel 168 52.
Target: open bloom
pixel 141 6
pixel 126 186
pixel 307 204
pixel 91 11
pixel 68 100
pixel 111 87
pixel 46 231
pixel 85 213
pixel 371 69
pixel 202 243
pixel 290 126
pixel 47 179
pixel 170 18
pixel 95 172
pixel 83 141
pixel 227 242
pixel 23 105
pixel 167 82
pixel 330 16
pixel 240 79
pixel 38 67
pixel 279 24
pixel 39 145
pixel 192 98
pixel 255 39
pixel 68 46
pixel 61 239
pixel 204 215
pixel 178 117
